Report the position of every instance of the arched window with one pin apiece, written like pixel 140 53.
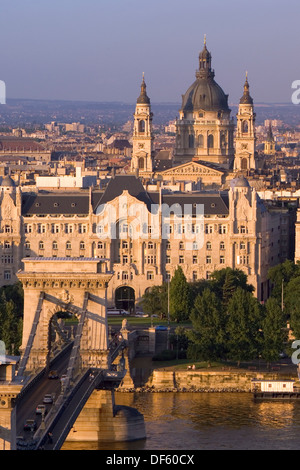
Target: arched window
pixel 223 141
pixel 210 141
pixel 191 141
pixel 142 126
pixel 208 245
pixel 245 127
pixel 200 140
pixel 181 246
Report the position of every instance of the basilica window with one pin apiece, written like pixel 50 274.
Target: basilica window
pixel 54 245
pixel 101 245
pixel 82 246
pixel 7 244
pixel 208 245
pixel 210 141
pixel 245 127
pixel 142 126
pixel 68 246
pixel 41 245
pixel 191 141
pixel 141 162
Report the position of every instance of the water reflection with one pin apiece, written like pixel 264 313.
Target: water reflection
pixel 209 421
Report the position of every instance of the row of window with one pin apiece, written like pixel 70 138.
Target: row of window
pixel 125 276
pixel 55 228
pixel 68 245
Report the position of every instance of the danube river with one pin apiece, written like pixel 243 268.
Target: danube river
pixel 206 421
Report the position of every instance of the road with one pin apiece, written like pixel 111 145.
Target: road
pixel 25 409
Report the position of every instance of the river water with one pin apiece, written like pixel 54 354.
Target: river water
pixel 209 421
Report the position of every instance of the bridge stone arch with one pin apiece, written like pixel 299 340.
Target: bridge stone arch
pixel 77 285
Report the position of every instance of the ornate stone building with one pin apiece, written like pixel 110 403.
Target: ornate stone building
pixel 150 233
pixel 205 128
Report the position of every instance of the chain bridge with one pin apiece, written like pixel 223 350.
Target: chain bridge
pixel 86 357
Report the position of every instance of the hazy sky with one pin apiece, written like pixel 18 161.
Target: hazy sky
pixel 97 50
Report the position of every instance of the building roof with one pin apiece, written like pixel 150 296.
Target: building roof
pixel 205 94
pixel 21 144
pixel 8 182
pixel 55 203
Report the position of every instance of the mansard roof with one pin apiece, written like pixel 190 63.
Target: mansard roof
pixel 77 202
pixel 55 203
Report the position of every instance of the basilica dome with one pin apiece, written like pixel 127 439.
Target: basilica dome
pixel 205 94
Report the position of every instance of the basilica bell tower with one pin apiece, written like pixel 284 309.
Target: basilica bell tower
pixel 142 151
pixel 245 156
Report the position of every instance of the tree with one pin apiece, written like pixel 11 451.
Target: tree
pixel 280 275
pixel 207 335
pixel 274 331
pixel 243 326
pixel 225 282
pixel 292 305
pixel 180 297
pixel 155 301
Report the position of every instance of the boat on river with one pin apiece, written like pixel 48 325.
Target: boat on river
pixel 281 389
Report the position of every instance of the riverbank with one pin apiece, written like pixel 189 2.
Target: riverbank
pixel 148 377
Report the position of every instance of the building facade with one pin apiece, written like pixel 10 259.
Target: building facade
pixel 143 235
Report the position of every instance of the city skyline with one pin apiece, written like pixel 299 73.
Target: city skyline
pixel 98 51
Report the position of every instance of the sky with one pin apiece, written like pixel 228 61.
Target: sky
pixel 98 50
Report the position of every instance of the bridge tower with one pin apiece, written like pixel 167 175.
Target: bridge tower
pixel 76 285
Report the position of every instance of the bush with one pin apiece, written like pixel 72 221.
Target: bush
pixel 169 355
pixel 166 355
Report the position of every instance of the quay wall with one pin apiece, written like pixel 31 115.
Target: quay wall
pixel 203 381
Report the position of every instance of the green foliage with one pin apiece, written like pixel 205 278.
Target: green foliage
pixel 282 274
pixel 208 326
pixel 180 297
pixel 243 326
pixel 11 316
pixel 155 301
pixel 274 331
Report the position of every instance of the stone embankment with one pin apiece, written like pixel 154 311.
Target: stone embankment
pixel 201 381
